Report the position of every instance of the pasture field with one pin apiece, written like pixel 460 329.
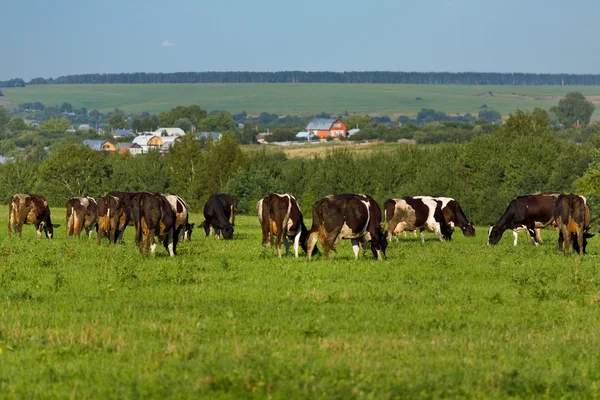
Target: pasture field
pixel 456 319
pixel 299 99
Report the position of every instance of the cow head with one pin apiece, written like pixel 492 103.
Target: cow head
pixel 469 230
pixel 494 235
pixel 48 229
pixel 227 232
pixel 187 232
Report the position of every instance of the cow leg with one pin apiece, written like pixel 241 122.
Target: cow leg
pixel 297 242
pixel 169 242
pixel 422 235
pixel 152 243
pixel 515 237
pixel 538 235
pixel 580 238
pixel 286 243
pixel 39 230
pixel 310 244
pixel 533 234
pixel 355 247
pixel 278 241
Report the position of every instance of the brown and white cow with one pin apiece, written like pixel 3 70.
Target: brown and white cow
pixel 532 212
pixel 572 215
pixel 29 209
pixel 453 214
pixel 347 216
pixel 128 202
pixel 181 210
pixel 156 220
pixel 81 214
pixel 410 214
pixel 280 218
pixel 112 218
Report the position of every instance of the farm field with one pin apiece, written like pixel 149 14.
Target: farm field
pixel 299 99
pixel 223 320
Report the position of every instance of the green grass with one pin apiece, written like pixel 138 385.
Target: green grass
pixel 454 319
pixel 300 99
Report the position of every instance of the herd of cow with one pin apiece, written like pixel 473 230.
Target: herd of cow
pixel 358 217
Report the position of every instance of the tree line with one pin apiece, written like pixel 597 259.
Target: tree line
pixel 383 77
pixel 523 156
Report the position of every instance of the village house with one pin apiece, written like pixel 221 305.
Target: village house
pixel 327 127
pixel 100 145
pixel 148 142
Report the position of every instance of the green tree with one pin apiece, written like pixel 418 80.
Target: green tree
pixel 360 121
pixel 66 108
pixel 222 122
pixel 17 177
pixel 72 171
pixel 184 166
pixel 574 107
pixel 193 113
pixel 16 125
pixel 184 123
pixel 117 121
pixel 56 125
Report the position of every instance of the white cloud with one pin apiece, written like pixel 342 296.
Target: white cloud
pixel 166 43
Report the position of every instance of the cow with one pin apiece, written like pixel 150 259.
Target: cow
pixel 347 216
pixel 280 218
pixel 409 214
pixel 528 212
pixel 572 215
pixel 453 214
pixel 181 210
pixel 81 214
pixel 538 226
pixel 219 213
pixel 128 202
pixel 112 218
pixel 29 209
pixel 156 219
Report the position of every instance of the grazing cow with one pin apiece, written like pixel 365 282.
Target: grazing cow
pixel 453 214
pixel 181 210
pixel 112 218
pixel 280 217
pixel 219 213
pixel 156 219
pixel 81 214
pixel 29 209
pixel 128 201
pixel 409 214
pixel 572 215
pixel 529 212
pixel 347 216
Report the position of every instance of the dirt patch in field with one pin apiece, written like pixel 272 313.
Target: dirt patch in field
pixel 4 104
pixel 320 150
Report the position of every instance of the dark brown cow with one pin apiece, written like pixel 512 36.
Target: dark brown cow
pixel 347 216
pixel 128 201
pixel 219 213
pixel 156 219
pixel 280 217
pixel 112 218
pixel 81 214
pixel 410 214
pixel 529 212
pixel 29 209
pixel 572 215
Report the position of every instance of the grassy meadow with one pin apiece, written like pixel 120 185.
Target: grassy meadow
pixel 298 99
pixel 457 319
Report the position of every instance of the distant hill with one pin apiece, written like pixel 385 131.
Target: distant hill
pixel 368 77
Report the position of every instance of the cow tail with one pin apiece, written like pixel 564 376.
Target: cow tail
pixel 106 221
pixel 11 214
pixel 71 222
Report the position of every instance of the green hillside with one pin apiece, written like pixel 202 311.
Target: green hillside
pixel 298 98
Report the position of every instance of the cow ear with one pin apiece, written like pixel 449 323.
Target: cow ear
pixel 55 225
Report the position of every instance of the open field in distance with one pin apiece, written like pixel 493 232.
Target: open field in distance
pixel 222 319
pixel 299 99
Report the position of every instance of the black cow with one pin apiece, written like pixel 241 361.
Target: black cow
pixel 347 216
pixel 453 214
pixel 280 217
pixel 530 212
pixel 156 219
pixel 572 215
pixel 219 213
pixel 29 209
pixel 81 214
pixel 410 214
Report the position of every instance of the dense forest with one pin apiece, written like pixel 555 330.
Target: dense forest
pixel 394 77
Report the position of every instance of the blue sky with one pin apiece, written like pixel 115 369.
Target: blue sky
pixel 59 37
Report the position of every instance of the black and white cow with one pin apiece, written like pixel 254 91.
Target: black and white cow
pixel 453 214
pixel 280 218
pixel 410 214
pixel 347 216
pixel 155 218
pixel 531 212
pixel 219 213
